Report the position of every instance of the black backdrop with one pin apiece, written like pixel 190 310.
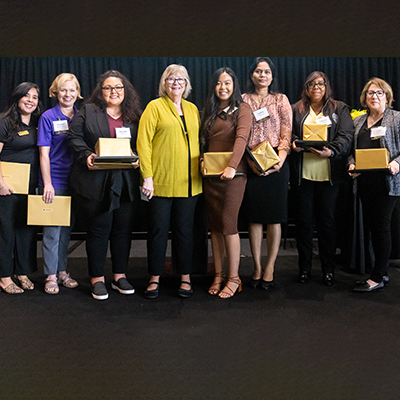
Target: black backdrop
pixel 347 74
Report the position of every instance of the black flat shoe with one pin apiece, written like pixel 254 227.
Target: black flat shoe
pixel 265 285
pixel 328 279
pixel 364 287
pixel 185 293
pixel 304 276
pixel 254 283
pixel 152 294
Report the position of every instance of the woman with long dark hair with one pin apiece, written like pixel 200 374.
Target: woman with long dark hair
pixel 107 198
pixel 265 200
pixel 225 127
pixel 317 174
pixel 18 125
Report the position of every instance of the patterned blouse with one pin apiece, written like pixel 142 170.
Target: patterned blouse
pixel 278 128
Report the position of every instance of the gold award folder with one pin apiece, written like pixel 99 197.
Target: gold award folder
pixel 106 147
pixel 262 157
pixel 215 163
pixel 315 132
pixel 57 213
pixel 16 175
pixel 372 159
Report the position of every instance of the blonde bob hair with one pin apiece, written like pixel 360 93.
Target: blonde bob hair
pixel 172 70
pixel 60 80
pixel 381 84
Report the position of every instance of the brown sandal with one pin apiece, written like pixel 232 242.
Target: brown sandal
pixel 25 282
pixel 228 291
pixel 215 288
pixel 67 281
pixel 12 288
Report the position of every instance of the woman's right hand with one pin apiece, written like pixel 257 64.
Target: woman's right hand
pixel 5 190
pixel 90 162
pixel 295 148
pixel 147 187
pixel 353 174
pixel 48 194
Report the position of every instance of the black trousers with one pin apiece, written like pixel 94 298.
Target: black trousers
pixel 17 239
pixel 103 226
pixel 377 208
pixel 316 200
pixel 175 214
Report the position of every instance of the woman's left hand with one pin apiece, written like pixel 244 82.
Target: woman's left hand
pixel 136 163
pixel 394 167
pixel 276 168
pixel 324 153
pixel 228 174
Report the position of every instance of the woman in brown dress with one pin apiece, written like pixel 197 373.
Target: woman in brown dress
pixel 225 128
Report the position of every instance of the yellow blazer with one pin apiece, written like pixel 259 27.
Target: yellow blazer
pixel 163 148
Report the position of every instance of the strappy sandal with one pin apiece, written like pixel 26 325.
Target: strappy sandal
pixel 25 282
pixel 228 291
pixel 215 288
pixel 12 288
pixel 67 281
pixel 51 286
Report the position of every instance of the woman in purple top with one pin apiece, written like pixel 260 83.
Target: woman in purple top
pixel 55 166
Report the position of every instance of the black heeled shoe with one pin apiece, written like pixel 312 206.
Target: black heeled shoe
pixel 266 285
pixel 254 282
pixel 304 276
pixel 385 280
pixel 328 279
pixel 364 287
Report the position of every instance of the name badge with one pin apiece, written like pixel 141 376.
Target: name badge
pixel 378 132
pixel 123 133
pixel 60 126
pixel 324 120
pixel 261 114
pixel 23 133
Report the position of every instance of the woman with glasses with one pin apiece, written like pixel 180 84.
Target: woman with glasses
pixel 265 199
pixel 378 191
pixel 106 198
pixel 168 147
pixel 316 174
pixel 55 164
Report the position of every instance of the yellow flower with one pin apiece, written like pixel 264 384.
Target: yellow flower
pixel 356 113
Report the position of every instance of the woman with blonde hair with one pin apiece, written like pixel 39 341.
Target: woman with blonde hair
pixel 55 165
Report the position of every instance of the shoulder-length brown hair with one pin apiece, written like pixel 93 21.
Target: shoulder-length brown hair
pixel 381 84
pixel 130 106
pixel 328 99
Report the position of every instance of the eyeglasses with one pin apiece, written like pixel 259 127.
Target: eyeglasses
pixel 320 85
pixel 171 81
pixel 378 93
pixel 109 89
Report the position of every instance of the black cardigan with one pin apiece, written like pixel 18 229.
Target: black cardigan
pixel 340 138
pixel 86 128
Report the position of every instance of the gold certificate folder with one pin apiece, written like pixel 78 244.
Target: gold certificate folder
pixel 57 213
pixel 262 157
pixel 315 132
pixel 215 163
pixel 113 147
pixel 372 159
pixel 16 176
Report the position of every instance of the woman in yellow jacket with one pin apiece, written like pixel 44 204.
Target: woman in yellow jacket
pixel 168 148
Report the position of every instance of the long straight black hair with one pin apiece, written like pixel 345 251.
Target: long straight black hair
pixel 12 111
pixel 211 107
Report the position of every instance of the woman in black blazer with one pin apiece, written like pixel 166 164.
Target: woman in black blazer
pixel 107 198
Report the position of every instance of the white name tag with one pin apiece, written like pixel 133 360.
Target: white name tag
pixel 261 114
pixel 60 126
pixel 123 133
pixel 324 120
pixel 378 132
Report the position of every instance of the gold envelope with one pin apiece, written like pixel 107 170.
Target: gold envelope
pixel 58 213
pixel 315 132
pixel 106 147
pixel 372 158
pixel 215 163
pixel 16 175
pixel 262 157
